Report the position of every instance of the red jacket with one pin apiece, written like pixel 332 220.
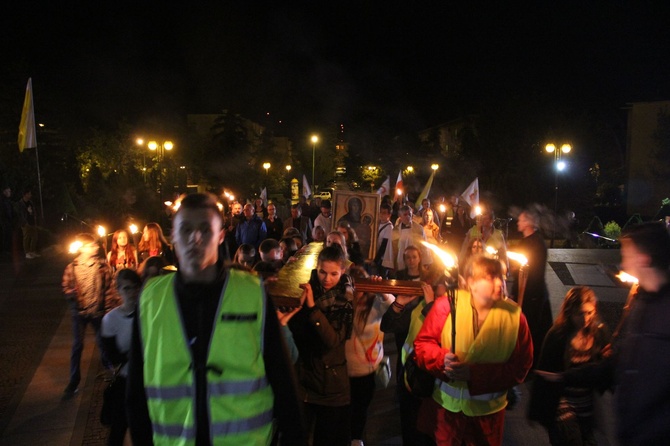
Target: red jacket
pixel 485 378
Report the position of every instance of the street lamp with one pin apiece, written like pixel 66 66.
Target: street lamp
pixel 559 166
pixel 288 168
pixel 266 166
pixel 434 167
pixel 160 152
pixel 140 142
pixel 315 139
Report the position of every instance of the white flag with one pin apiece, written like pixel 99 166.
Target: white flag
pixel 386 187
pixel 27 135
pixel 306 190
pixel 471 196
pixel 264 195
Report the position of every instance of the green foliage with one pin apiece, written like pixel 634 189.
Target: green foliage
pixel 612 230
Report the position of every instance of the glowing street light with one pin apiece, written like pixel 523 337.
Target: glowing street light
pixel 559 166
pixel 266 166
pixel 410 169
pixel 288 168
pixel 434 167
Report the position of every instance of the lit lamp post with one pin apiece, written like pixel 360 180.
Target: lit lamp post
pixel 288 169
pixel 559 166
pixel 434 167
pixel 266 166
pixel 160 150
pixel 140 142
pixel 372 174
pixel 315 139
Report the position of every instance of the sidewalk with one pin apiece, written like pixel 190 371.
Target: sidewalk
pixel 35 343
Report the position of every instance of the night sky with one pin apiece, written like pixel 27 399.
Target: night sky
pixel 400 66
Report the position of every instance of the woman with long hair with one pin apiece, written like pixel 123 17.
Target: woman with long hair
pixel 475 247
pixel 337 238
pixel 122 255
pixel 364 351
pixel 351 239
pixel 153 243
pixel 577 338
pixel 431 229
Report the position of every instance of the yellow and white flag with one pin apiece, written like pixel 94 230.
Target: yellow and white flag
pixel 27 135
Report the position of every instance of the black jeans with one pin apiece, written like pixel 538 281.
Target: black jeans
pixel 119 424
pixel 362 391
pixel 329 424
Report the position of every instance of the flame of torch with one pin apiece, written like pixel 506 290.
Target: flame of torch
pixel 626 278
pixel 447 259
pixel 133 228
pixel 102 231
pixel 75 246
pixel 523 261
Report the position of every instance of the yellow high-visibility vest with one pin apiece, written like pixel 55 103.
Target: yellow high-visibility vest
pixel 240 399
pixel 494 343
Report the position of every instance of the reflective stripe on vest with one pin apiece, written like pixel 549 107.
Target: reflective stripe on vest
pixel 464 394
pixel 240 399
pixel 215 389
pixel 494 343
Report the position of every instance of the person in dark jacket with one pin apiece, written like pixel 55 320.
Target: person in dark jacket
pixel 536 306
pixel 577 338
pixel 273 224
pixel 28 222
pixel 320 331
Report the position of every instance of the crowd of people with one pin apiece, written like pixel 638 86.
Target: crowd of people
pixel 202 359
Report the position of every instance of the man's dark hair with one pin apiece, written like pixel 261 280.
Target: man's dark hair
pixel 296 206
pixel 199 201
pixel 290 243
pixel 386 207
pixel 332 253
pixel 652 239
pixel 404 208
pixel 130 275
pixel 268 245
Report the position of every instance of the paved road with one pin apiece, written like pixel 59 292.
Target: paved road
pixel 35 341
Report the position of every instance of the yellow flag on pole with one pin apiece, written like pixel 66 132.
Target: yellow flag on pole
pixel 27 135
pixel 425 191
